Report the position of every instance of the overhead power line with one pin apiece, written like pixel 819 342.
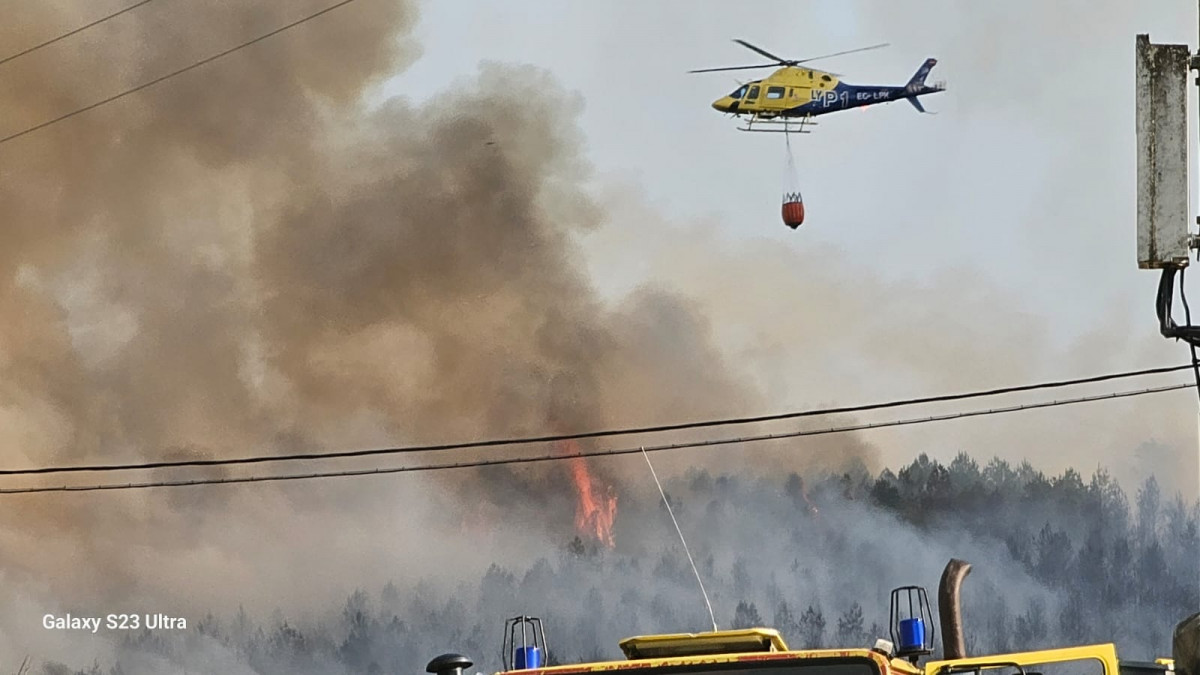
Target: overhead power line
pixel 628 431
pixel 82 28
pixel 170 75
pixel 594 453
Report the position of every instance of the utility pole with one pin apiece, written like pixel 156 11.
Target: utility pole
pixel 1164 239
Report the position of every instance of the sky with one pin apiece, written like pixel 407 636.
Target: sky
pixel 1020 112
pixel 1013 206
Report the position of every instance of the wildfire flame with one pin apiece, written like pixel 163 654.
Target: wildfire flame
pixel 597 506
pixel 809 507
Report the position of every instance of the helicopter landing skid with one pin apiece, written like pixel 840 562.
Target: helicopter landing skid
pixel 778 125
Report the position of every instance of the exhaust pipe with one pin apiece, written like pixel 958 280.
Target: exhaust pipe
pixel 950 609
pixel 1185 646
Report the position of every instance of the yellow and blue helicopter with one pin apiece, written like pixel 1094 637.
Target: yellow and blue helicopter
pixel 788 99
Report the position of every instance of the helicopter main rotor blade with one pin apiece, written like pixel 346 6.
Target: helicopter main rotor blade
pixel 764 52
pixel 849 51
pixel 785 62
pixel 717 70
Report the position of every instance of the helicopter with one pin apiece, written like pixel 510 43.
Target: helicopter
pixel 788 99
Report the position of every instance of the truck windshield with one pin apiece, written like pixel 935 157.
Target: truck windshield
pixel 798 667
pixel 1085 666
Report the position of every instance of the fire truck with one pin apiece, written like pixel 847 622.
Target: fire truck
pixel 763 651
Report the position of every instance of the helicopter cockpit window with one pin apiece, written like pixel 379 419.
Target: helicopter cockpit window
pixel 753 92
pixel 775 92
pixel 826 78
pixel 739 93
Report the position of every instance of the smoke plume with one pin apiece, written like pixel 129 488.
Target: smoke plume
pixel 253 258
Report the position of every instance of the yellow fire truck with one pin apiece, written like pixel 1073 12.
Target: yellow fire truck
pixel 763 651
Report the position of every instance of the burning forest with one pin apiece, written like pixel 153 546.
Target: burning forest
pixel 597 505
pixel 1063 560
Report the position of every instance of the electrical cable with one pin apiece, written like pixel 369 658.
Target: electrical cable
pixel 595 453
pixel 628 431
pixel 170 75
pixel 82 28
pixel 1163 305
pixel 1187 316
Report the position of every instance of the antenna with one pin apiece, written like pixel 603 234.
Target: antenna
pixel 1163 240
pixel 671 512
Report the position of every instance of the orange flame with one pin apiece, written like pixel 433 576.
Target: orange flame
pixel 808 505
pixel 596 508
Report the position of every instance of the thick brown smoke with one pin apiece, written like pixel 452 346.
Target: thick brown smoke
pixel 249 258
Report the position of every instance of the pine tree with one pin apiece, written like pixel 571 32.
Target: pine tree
pixel 1148 501
pixel 785 622
pixel 1029 630
pixel 1153 576
pixel 1053 555
pixel 745 615
pixel 1071 620
pixel 850 627
pixel 812 628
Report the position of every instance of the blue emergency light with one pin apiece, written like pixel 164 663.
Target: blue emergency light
pixel 911 630
pixel 527 657
pixel 912 634
pixel 532 650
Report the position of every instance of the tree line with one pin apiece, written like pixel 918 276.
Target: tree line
pixel 1060 560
